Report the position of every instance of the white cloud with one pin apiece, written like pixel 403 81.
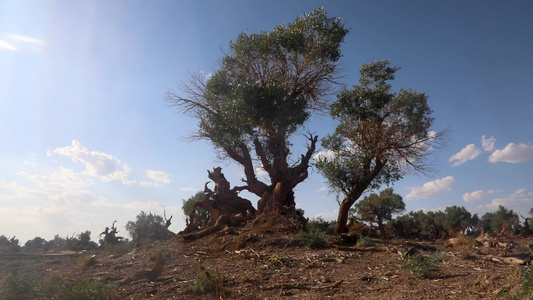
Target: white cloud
pixel 187 189
pixel 27 39
pixel 260 172
pixel 430 189
pixel 322 189
pixel 322 154
pixel 488 144
pixel 331 216
pixel 479 195
pixel 467 153
pixel 104 166
pixel 7 46
pixel 158 176
pixel 519 198
pixel 512 153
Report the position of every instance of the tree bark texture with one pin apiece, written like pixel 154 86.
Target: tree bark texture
pixel 222 202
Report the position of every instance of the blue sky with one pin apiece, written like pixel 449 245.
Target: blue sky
pixel 87 138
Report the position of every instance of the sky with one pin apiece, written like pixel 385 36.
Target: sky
pixel 87 138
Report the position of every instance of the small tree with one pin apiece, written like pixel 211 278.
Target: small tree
pixel 381 135
pixel 58 243
pixel 147 226
pixel 35 245
pixel 457 219
pixel 379 208
pixel 200 214
pixel 499 221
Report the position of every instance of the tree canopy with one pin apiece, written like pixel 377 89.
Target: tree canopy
pixel 201 215
pixel 379 208
pixel 267 86
pixel 380 137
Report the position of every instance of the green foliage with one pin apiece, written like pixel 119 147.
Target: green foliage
pixel 200 215
pixel 26 285
pixel 435 224
pixel 19 285
pixel 85 241
pixel 421 266
pixel 147 226
pixel 35 245
pixel 495 221
pixel 315 230
pixel 318 224
pixel 266 88
pixel 381 135
pixel 206 281
pixel 458 219
pixel 365 241
pixel 265 81
pixel 313 239
pixel 87 289
pixel 58 243
pixel 526 292
pixel 9 244
pixel 120 249
pixel 379 208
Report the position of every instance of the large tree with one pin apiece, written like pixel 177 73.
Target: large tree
pixel 381 135
pixel 267 86
pixel 378 208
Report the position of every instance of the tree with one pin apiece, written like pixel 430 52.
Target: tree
pixel 147 226
pixel 381 136
pixel 458 219
pixel 499 221
pixel 58 243
pixel 266 88
pixel 35 245
pixel 110 236
pixel 378 208
pixel 200 214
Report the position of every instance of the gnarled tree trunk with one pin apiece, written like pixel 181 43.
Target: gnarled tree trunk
pixel 223 205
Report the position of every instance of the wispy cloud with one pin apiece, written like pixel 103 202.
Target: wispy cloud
pixel 27 39
pixel 324 154
pixel 187 189
pixel 467 153
pixel 7 46
pixel 488 143
pixel 512 153
pixel 104 166
pixel 328 216
pixel 479 195
pixel 158 176
pixel 519 198
pixel 260 172
pixel 431 188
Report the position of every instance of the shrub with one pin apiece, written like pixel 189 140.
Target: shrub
pixel 365 241
pixel 312 239
pixel 526 292
pixel 19 285
pixel 206 281
pixel 88 289
pixel 421 266
pixel 319 224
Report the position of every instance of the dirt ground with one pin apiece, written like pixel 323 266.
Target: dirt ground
pixel 248 265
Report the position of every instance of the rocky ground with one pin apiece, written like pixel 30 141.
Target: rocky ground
pixel 244 264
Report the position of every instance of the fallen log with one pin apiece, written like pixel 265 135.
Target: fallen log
pixel 220 224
